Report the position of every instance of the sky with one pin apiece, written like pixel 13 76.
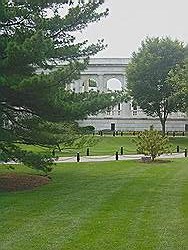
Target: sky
pixel 131 21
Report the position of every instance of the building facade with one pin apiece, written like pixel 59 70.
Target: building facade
pixel 105 74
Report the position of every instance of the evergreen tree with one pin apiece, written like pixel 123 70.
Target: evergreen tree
pixel 39 58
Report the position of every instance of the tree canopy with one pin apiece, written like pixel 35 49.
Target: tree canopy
pixel 179 79
pixel 39 58
pixel 148 77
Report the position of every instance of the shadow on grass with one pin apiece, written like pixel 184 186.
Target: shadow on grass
pixel 157 161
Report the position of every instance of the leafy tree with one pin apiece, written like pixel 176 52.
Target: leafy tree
pixel 147 76
pixel 151 142
pixel 179 79
pixel 39 58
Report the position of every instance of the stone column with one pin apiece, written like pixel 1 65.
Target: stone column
pixel 77 86
pixel 124 81
pixel 100 83
pixel 85 83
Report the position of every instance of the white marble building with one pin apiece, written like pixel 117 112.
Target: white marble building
pixel 109 73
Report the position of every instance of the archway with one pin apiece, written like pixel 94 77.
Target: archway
pixel 114 84
pixel 92 84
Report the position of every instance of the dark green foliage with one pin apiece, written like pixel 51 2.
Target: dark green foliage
pixel 88 129
pixel 41 162
pixel 39 58
pixel 179 79
pixel 147 75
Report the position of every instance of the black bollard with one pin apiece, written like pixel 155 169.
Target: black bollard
pixel 87 152
pixel 167 133
pixel 114 133
pixel 174 134
pixel 185 152
pixel 78 157
pixel 121 133
pixel 116 156
pixel 121 150
pixel 178 149
pixel 183 133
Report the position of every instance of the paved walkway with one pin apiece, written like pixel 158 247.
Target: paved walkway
pixel 113 158
pixel 108 158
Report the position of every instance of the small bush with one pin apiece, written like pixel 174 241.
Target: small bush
pixel 153 143
pixel 87 130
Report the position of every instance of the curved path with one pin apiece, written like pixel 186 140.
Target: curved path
pixel 107 158
pixel 113 158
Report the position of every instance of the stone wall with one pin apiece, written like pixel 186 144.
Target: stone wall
pixel 134 124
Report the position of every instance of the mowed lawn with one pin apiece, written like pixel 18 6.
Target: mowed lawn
pixel 100 206
pixel 109 145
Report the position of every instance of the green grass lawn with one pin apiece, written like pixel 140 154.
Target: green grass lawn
pixel 182 142
pixel 108 145
pixel 100 206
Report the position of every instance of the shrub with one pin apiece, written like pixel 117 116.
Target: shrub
pixel 153 143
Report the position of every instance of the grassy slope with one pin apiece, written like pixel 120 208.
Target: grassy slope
pixel 99 206
pixel 108 145
pixel 182 142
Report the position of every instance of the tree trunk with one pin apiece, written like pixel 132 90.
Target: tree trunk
pixel 152 157
pixel 163 124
